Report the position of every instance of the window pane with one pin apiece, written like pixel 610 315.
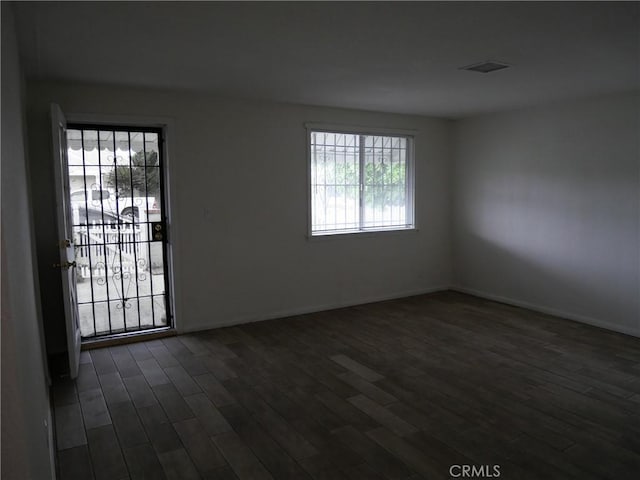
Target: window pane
pixel 358 182
pixel 384 183
pixel 335 174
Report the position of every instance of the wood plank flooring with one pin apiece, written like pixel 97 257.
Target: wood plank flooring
pixel 402 389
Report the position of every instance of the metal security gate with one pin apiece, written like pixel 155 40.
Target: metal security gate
pixel 116 190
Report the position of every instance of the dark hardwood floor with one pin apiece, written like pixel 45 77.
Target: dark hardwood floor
pixel 403 389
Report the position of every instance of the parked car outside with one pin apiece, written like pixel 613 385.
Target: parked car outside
pixel 96 216
pixel 129 207
pixel 132 206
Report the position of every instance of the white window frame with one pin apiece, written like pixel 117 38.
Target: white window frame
pixel 410 166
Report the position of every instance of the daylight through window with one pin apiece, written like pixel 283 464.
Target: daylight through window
pixel 360 182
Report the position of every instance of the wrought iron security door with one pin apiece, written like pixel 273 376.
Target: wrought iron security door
pixel 116 185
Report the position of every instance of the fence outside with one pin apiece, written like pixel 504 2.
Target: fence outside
pixel 105 250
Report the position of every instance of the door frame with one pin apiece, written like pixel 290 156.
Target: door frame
pixel 66 248
pixel 166 125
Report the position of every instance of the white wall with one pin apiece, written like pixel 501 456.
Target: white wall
pixel 25 398
pixel 239 206
pixel 546 209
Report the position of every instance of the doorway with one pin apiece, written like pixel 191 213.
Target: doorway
pixel 117 210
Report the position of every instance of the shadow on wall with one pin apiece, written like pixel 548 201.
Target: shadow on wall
pixel 535 277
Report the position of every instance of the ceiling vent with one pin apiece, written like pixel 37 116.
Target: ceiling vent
pixel 486 67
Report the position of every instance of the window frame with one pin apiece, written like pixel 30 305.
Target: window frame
pixel 410 215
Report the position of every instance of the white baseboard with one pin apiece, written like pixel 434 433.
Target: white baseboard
pixel 312 309
pixel 551 311
pixel 350 303
pixel 51 444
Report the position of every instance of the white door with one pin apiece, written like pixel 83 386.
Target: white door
pixel 65 236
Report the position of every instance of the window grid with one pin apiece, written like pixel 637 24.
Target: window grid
pixel 359 182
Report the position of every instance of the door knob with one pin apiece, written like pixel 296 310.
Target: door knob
pixel 65 264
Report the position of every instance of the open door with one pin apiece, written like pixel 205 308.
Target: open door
pixel 65 234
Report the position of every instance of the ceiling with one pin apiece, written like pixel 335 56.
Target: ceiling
pixel 384 56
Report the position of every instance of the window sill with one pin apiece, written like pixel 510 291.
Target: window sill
pixel 361 234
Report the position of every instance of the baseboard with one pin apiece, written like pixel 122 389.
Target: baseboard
pixel 635 332
pixel 312 309
pixel 51 438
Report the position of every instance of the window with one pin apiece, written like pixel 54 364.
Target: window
pixel 360 182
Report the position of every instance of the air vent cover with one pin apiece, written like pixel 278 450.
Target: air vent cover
pixel 486 67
